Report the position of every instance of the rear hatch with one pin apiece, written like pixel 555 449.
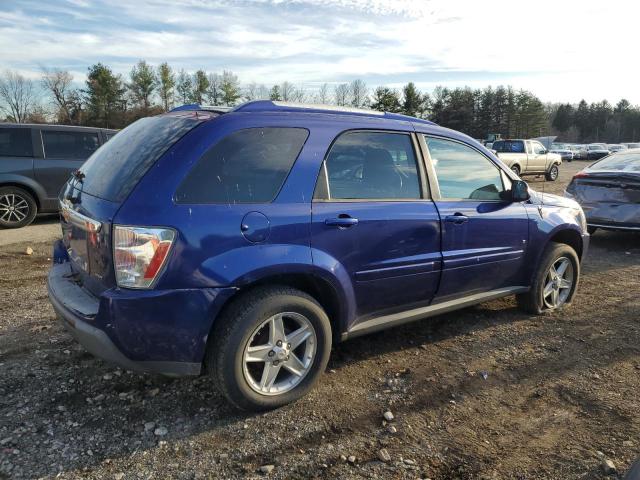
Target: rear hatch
pixel 92 197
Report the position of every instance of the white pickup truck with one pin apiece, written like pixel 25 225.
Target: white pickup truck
pixel 528 157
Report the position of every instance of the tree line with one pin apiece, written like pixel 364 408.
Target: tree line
pixel 111 100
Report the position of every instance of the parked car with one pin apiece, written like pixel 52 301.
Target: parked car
pixel 631 145
pixel 616 147
pixel 596 151
pixel 243 244
pixel 579 151
pixel 609 192
pixel 563 150
pixel 528 157
pixel 35 162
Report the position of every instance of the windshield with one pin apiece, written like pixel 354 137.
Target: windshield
pixel 624 162
pixel 116 167
pixel 597 146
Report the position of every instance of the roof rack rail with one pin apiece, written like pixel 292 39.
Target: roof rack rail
pixel 278 106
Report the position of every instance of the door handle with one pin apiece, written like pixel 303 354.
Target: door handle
pixel 341 221
pixel 457 218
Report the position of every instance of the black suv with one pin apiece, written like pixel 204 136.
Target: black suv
pixel 35 162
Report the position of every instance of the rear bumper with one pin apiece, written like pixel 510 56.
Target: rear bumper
pixel 154 332
pixel 77 309
pixel 614 226
pixel 613 216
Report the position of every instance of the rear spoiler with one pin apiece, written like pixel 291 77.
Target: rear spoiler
pixel 206 108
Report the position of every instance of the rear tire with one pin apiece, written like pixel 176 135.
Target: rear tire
pixel 552 174
pixel 539 298
pixel 17 207
pixel 516 169
pixel 242 355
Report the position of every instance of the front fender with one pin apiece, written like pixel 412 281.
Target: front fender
pixel 548 222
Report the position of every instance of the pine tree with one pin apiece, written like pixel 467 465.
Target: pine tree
pixel 142 85
pixel 104 96
pixel 386 99
pixel 200 87
pixel 166 85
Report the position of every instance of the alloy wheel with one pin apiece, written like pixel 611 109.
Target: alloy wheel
pixel 558 283
pixel 279 353
pixel 13 208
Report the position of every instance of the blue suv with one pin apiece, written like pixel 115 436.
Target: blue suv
pixel 244 243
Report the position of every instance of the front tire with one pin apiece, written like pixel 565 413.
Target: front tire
pixel 18 208
pixel 270 348
pixel 555 281
pixel 553 173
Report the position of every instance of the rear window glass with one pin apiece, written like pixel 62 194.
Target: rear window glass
pixel 78 145
pixel 508 147
pixel 624 162
pixel 115 168
pixel 248 166
pixel 15 142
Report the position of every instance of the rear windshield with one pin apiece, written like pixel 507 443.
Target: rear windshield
pixel 505 146
pixel 116 167
pixel 624 162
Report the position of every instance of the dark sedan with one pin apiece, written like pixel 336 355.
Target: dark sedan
pixel 609 192
pixel 596 151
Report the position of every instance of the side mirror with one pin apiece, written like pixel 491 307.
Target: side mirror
pixel 519 191
pixel 544 152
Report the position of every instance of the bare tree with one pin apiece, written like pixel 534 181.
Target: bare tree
pixel 359 93
pixel 59 83
pixel 323 97
pixel 17 94
pixel 342 95
pixel 253 91
pixel 287 91
pixel 214 92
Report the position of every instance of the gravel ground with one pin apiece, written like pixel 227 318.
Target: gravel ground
pixel 484 393
pixel 45 228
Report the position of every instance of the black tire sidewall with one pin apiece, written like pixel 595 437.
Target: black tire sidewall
pixel 229 357
pixel 33 207
pixel 515 169
pixel 551 176
pixel 553 252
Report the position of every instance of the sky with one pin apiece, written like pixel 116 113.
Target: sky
pixel 560 50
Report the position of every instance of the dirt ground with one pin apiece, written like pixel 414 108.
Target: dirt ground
pixel 484 393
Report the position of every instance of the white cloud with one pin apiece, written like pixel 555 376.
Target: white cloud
pixel 560 50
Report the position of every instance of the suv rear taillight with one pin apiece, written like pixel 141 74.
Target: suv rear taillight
pixel 139 254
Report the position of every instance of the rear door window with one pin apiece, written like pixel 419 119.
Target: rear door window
pixel 370 166
pixel 69 145
pixel 15 142
pixel 248 166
